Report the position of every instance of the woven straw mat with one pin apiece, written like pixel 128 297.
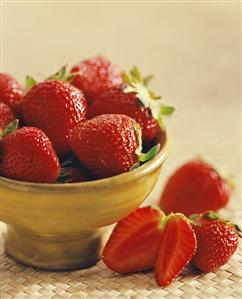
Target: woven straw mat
pixel 18 281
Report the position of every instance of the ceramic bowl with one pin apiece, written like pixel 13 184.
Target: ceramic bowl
pixel 61 226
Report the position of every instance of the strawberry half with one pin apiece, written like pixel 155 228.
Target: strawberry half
pixel 176 248
pixel 133 243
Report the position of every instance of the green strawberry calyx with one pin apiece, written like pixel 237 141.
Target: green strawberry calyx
pixel 214 216
pixel 165 220
pixel 147 98
pixel 30 82
pixel 11 127
pixel 143 157
pixel 62 74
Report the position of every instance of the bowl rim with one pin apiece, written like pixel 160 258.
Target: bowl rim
pixel 99 183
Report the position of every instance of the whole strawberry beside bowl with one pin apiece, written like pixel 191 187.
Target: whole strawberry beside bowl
pixel 217 240
pixel 195 187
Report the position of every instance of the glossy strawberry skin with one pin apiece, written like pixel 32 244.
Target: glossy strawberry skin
pixel 11 92
pixel 6 116
pixel 216 242
pixel 106 144
pixel 95 76
pixel 55 107
pixel 176 248
pixel 115 101
pixel 133 243
pixel 194 188
pixel 28 155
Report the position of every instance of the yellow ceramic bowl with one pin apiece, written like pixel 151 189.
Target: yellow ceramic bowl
pixel 60 226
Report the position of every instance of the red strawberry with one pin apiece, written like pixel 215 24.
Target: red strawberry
pixel 6 116
pixel 135 100
pixel 95 76
pixel 195 187
pixel 27 155
pixel 55 107
pixel 176 248
pixel 116 101
pixel 107 144
pixel 133 243
pixel 217 240
pixel 11 92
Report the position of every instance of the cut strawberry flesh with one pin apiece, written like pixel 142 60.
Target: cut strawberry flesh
pixel 134 241
pixel 176 248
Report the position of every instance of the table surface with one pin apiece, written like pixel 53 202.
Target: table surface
pixel 194 49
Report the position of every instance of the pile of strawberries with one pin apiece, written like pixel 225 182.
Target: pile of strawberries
pixel 92 122
pixel 189 232
pixel 148 239
pixel 95 122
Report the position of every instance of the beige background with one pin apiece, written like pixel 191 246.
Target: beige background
pixel 194 49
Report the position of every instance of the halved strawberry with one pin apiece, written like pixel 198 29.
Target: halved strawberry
pixel 133 243
pixel 176 248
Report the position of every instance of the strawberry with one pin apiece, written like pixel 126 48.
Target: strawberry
pixel 109 144
pixel 217 240
pixel 116 101
pixel 55 107
pixel 27 155
pixel 95 76
pixel 195 187
pixel 11 92
pixel 133 243
pixel 6 116
pixel 135 100
pixel 176 248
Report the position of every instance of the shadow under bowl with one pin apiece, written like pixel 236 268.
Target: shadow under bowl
pixel 61 226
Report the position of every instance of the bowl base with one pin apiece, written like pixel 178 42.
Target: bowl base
pixel 54 251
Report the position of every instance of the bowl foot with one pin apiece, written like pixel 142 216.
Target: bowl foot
pixel 54 252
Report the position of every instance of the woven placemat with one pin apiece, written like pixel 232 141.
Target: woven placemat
pixel 18 281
